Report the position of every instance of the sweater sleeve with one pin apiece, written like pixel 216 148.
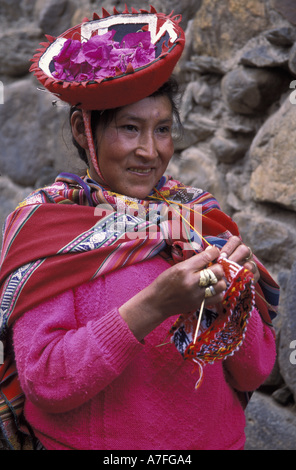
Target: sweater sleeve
pixel 61 365
pixel 250 366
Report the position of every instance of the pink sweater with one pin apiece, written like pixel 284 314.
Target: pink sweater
pixel 91 385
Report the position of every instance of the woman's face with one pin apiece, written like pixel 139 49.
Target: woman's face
pixel 136 147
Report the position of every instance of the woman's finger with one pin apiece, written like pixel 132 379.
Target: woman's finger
pixel 217 294
pixel 231 246
pixel 252 266
pixel 203 259
pixel 236 250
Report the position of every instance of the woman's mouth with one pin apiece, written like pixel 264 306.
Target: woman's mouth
pixel 141 171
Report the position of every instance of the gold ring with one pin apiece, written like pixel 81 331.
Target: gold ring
pixel 250 254
pixel 209 292
pixel 207 278
pixel 254 264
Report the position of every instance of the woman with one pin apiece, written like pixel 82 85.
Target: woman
pixel 98 281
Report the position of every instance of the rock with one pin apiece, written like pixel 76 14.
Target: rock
pixel 54 16
pixel 189 8
pixel 220 28
pixel 203 126
pixel 273 159
pixel 187 139
pixel 199 169
pixel 206 64
pixel 238 188
pixel 266 56
pixel 269 426
pixel 240 124
pixel 28 114
pixel 181 69
pixel 46 176
pixel 202 93
pixel 287 347
pixel 292 59
pixel 10 195
pixel 16 11
pixel 192 134
pixel 283 396
pixel 283 279
pixel 228 150
pixel 196 93
pixel 287 9
pixel 267 236
pixel 281 36
pixel 17 48
pixel 249 91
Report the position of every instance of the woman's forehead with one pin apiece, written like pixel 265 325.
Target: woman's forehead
pixel 156 107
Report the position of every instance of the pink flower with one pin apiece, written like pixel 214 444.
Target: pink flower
pixel 97 49
pixel 100 56
pixel 138 47
pixel 133 40
pixel 64 60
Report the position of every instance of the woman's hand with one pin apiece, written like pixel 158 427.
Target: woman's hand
pixel 236 251
pixel 177 290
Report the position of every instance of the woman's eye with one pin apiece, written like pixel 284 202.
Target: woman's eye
pixel 164 129
pixel 130 127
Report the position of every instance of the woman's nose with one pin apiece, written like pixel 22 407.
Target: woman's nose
pixel 147 147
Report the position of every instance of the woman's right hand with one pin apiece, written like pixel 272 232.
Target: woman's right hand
pixel 178 290
pixel 173 292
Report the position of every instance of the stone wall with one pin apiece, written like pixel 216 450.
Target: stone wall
pixel 238 106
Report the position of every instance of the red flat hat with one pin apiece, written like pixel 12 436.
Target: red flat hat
pixel 111 61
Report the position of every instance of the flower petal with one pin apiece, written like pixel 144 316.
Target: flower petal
pixel 135 39
pixel 101 57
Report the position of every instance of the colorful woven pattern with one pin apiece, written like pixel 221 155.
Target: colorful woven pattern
pixel 228 321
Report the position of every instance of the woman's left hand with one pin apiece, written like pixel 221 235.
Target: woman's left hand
pixel 242 254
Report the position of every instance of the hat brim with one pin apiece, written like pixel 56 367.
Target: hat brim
pixel 125 88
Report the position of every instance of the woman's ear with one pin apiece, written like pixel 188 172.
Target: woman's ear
pixel 78 130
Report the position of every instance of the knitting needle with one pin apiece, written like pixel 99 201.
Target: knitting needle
pixel 199 320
